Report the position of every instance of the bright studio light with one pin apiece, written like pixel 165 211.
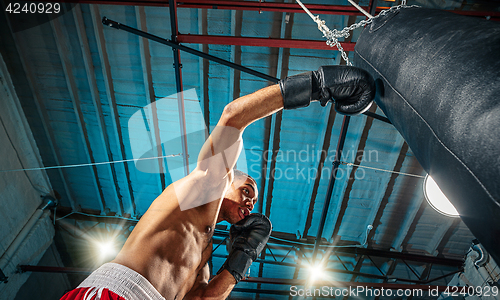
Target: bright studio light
pixel 437 199
pixel 316 272
pixel 106 249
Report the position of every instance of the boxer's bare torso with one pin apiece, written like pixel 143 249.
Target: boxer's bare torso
pixel 170 246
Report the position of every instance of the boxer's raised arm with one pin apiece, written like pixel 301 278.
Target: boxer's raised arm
pixel 220 152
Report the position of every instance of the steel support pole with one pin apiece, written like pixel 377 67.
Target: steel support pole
pixel 160 40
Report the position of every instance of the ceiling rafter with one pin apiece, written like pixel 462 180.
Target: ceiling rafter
pixel 204 70
pixel 42 111
pixel 350 181
pixel 178 84
pixel 359 154
pixel 268 42
pixel 403 201
pixel 324 150
pixel 446 237
pixel 274 153
pixel 276 68
pixel 266 6
pixel 331 182
pixel 150 93
pixel 276 119
pixel 96 100
pixel 413 226
pixel 75 100
pixel 234 78
pixel 110 93
pixel 388 192
pixel 326 143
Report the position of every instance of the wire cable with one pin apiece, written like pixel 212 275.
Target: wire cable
pixel 92 164
pixel 383 170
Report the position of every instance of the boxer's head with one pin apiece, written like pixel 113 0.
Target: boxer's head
pixel 240 198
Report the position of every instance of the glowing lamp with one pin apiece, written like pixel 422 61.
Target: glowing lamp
pixel 316 272
pixel 106 249
pixel 437 199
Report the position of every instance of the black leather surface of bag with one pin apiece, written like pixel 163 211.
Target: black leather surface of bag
pixel 440 74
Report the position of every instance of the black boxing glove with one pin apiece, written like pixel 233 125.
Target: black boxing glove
pixel 352 89
pixel 248 238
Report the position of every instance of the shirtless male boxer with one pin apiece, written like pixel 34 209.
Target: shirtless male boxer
pixel 166 255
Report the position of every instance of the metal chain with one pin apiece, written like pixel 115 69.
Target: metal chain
pixel 333 35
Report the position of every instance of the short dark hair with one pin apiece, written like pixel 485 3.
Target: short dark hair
pixel 238 173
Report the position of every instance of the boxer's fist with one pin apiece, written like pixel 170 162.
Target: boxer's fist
pixel 352 89
pixel 248 238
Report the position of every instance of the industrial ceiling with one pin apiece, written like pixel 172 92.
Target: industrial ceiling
pixel 99 98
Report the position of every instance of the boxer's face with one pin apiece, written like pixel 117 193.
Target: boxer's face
pixel 239 200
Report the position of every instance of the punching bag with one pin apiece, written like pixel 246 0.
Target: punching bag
pixel 438 75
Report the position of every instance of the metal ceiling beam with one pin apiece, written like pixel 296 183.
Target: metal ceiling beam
pixel 260 42
pixel 357 160
pixel 324 151
pixel 331 183
pixel 331 283
pixel 110 94
pixel 271 7
pixel 278 29
pixel 235 75
pixel 140 16
pixel 278 281
pixel 64 56
pixel 178 84
pixel 276 119
pixel 413 225
pixel 205 70
pixel 160 40
pixel 388 192
pixel 42 111
pixel 406 199
pixel 66 212
pixel 259 6
pixel 264 6
pixel 446 237
pixel 352 178
pixel 96 99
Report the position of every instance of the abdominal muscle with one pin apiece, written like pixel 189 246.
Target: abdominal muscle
pixel 168 246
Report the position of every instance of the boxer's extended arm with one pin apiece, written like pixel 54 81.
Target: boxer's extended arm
pixel 217 157
pixel 220 153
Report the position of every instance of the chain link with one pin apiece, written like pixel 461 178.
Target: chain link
pixel 332 36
